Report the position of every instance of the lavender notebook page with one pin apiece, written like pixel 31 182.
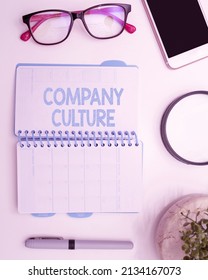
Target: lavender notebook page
pixel 77 147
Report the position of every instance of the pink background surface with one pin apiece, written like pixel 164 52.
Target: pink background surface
pixel 165 179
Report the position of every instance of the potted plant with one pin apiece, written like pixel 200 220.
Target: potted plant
pixel 182 230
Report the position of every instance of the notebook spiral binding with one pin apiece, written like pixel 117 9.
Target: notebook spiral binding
pixel 80 138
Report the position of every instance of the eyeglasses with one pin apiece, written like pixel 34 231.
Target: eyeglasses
pixel 50 27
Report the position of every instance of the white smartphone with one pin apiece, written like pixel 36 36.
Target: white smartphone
pixel 180 28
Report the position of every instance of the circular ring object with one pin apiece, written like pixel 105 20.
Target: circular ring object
pixel 184 128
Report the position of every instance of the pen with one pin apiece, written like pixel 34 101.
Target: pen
pixel 71 244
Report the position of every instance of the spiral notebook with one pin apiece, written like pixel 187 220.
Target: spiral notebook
pixel 78 149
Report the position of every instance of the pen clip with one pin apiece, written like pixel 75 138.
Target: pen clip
pixel 46 237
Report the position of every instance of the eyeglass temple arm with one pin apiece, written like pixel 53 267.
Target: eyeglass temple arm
pixel 41 18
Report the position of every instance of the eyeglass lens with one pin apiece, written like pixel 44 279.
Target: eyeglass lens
pixel 51 27
pixel 105 22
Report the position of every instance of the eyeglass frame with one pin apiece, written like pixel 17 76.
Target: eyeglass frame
pixel 78 15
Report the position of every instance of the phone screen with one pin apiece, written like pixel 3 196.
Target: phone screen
pixel 180 23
